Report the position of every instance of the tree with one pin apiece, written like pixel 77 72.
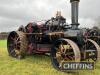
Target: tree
pixel 97 22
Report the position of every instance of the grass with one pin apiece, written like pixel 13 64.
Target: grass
pixel 33 65
pixel 3 43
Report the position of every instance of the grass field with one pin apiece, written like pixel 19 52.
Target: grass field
pixel 33 65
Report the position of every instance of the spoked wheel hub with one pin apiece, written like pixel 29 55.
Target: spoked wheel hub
pixel 64 50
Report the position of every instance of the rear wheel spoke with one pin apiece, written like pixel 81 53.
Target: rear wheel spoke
pixel 13 51
pixel 12 38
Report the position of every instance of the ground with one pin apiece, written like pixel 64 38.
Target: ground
pixel 34 65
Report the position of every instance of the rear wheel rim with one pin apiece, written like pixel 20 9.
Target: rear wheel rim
pixel 63 51
pixel 13 45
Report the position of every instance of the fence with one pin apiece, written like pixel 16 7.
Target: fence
pixel 3 36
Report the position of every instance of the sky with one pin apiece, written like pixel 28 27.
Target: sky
pixel 14 13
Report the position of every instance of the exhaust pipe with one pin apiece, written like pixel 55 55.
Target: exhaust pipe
pixel 74 13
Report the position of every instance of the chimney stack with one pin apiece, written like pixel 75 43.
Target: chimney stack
pixel 74 13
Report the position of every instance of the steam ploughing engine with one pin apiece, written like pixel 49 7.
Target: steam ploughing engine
pixel 63 42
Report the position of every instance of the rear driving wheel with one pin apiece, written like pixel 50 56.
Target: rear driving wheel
pixel 64 50
pixel 17 44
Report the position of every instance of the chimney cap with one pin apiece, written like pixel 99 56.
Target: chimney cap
pixel 74 0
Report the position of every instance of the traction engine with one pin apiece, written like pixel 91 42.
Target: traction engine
pixel 64 42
